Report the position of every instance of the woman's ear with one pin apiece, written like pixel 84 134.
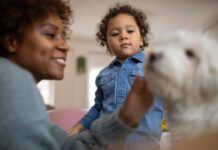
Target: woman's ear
pixel 10 44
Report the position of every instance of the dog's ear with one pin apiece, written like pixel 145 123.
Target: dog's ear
pixel 207 76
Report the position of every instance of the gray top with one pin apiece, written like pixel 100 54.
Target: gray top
pixel 24 121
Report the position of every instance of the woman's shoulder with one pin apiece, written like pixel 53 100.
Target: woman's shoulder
pixel 17 86
pixel 15 79
pixel 11 71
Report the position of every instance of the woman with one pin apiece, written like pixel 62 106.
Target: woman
pixel 33 47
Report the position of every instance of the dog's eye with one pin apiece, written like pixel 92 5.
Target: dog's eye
pixel 189 53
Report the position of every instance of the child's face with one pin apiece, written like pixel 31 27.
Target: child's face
pixel 123 36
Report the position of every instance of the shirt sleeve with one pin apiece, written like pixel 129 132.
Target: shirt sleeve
pixel 95 110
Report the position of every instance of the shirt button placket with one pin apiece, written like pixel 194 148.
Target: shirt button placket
pixel 121 87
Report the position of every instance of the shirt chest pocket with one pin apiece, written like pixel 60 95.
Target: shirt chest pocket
pixel 107 84
pixel 135 73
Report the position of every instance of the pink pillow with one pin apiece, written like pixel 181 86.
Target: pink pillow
pixel 67 117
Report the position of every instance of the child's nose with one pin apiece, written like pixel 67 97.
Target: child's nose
pixel 123 36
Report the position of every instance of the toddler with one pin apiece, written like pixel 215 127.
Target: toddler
pixel 123 31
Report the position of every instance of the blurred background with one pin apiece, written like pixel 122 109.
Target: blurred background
pixel 86 58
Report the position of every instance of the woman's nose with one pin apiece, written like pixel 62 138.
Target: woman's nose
pixel 62 45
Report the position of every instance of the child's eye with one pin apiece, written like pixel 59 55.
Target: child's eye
pixel 114 33
pixel 130 31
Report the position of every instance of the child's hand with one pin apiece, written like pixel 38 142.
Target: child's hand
pixel 75 129
pixel 138 102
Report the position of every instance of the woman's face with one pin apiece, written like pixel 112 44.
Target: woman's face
pixel 43 49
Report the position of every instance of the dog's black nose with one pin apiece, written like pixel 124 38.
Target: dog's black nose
pixel 154 57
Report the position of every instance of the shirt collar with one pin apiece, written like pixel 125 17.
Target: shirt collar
pixel 139 57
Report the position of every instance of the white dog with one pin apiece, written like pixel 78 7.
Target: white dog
pixel 183 70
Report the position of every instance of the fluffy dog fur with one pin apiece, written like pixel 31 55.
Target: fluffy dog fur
pixel 183 71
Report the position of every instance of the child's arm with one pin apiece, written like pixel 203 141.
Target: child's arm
pixel 120 123
pixel 91 116
pixel 86 121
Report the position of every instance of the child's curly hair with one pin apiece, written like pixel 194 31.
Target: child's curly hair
pixel 17 15
pixel 140 18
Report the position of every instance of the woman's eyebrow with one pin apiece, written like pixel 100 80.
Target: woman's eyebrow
pixel 50 25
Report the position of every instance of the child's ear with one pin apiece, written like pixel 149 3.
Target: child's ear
pixel 141 45
pixel 10 44
pixel 141 41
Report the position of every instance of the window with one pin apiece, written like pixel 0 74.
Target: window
pixel 91 85
pixel 46 89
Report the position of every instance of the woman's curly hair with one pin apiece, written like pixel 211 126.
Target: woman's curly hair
pixel 17 15
pixel 139 16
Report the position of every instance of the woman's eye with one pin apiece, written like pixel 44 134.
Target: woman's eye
pixel 50 35
pixel 189 53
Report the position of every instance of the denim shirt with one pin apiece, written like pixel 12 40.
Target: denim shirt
pixel 113 85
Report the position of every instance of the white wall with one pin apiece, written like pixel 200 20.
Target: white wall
pixel 72 90
pixel 213 29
